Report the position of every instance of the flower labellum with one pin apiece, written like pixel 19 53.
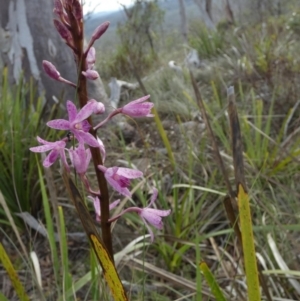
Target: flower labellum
pixel 119 177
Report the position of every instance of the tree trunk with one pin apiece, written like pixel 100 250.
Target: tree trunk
pixel 27 37
pixel 184 24
pixel 205 8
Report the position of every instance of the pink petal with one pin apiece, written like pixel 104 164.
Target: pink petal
pixel 138 100
pixel 153 197
pixel 152 219
pixel 116 186
pixel 91 58
pixel 59 124
pixel 51 158
pixel 149 229
pixel 86 138
pixel 102 149
pixel 114 204
pixel 157 211
pixel 40 140
pixel 129 173
pixel 85 126
pixel 72 110
pixel 85 112
pixel 41 148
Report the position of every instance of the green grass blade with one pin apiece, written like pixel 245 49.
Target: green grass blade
pixel 67 279
pixel 215 289
pixel 50 227
pixel 248 246
pixel 163 136
pixel 19 288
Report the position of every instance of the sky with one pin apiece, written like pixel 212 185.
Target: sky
pixel 104 5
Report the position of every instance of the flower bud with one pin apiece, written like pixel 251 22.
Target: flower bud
pixel 100 30
pixel 51 70
pixel 62 30
pixel 90 74
pixel 98 108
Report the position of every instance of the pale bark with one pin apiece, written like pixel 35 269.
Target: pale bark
pixel 184 24
pixel 205 7
pixel 27 37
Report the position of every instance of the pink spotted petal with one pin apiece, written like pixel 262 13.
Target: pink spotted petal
pixel 153 197
pixel 149 229
pixel 114 204
pixel 142 99
pixel 59 124
pixel 152 211
pixel 153 219
pixel 72 110
pixel 129 173
pixel 115 185
pixel 85 126
pixel 42 141
pixel 41 148
pixel 64 159
pixel 102 149
pixel 85 112
pixel 86 138
pixel 51 158
pixel 91 58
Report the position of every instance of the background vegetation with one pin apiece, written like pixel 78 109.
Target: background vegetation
pixel 261 60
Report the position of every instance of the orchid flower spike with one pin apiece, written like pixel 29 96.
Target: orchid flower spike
pixel 119 177
pixel 57 149
pixel 77 123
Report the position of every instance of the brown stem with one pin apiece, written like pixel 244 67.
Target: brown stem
pixel 77 33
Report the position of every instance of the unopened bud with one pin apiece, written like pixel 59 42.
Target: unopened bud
pixel 100 30
pixel 58 7
pixel 90 74
pixel 98 108
pixel 62 30
pixel 77 10
pixel 51 70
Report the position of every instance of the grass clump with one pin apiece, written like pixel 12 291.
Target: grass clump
pixel 20 120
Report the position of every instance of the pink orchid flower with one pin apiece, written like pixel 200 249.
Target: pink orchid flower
pixel 77 123
pixel 138 108
pixel 148 215
pixel 57 149
pixel 119 177
pixel 152 216
pixel 80 158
